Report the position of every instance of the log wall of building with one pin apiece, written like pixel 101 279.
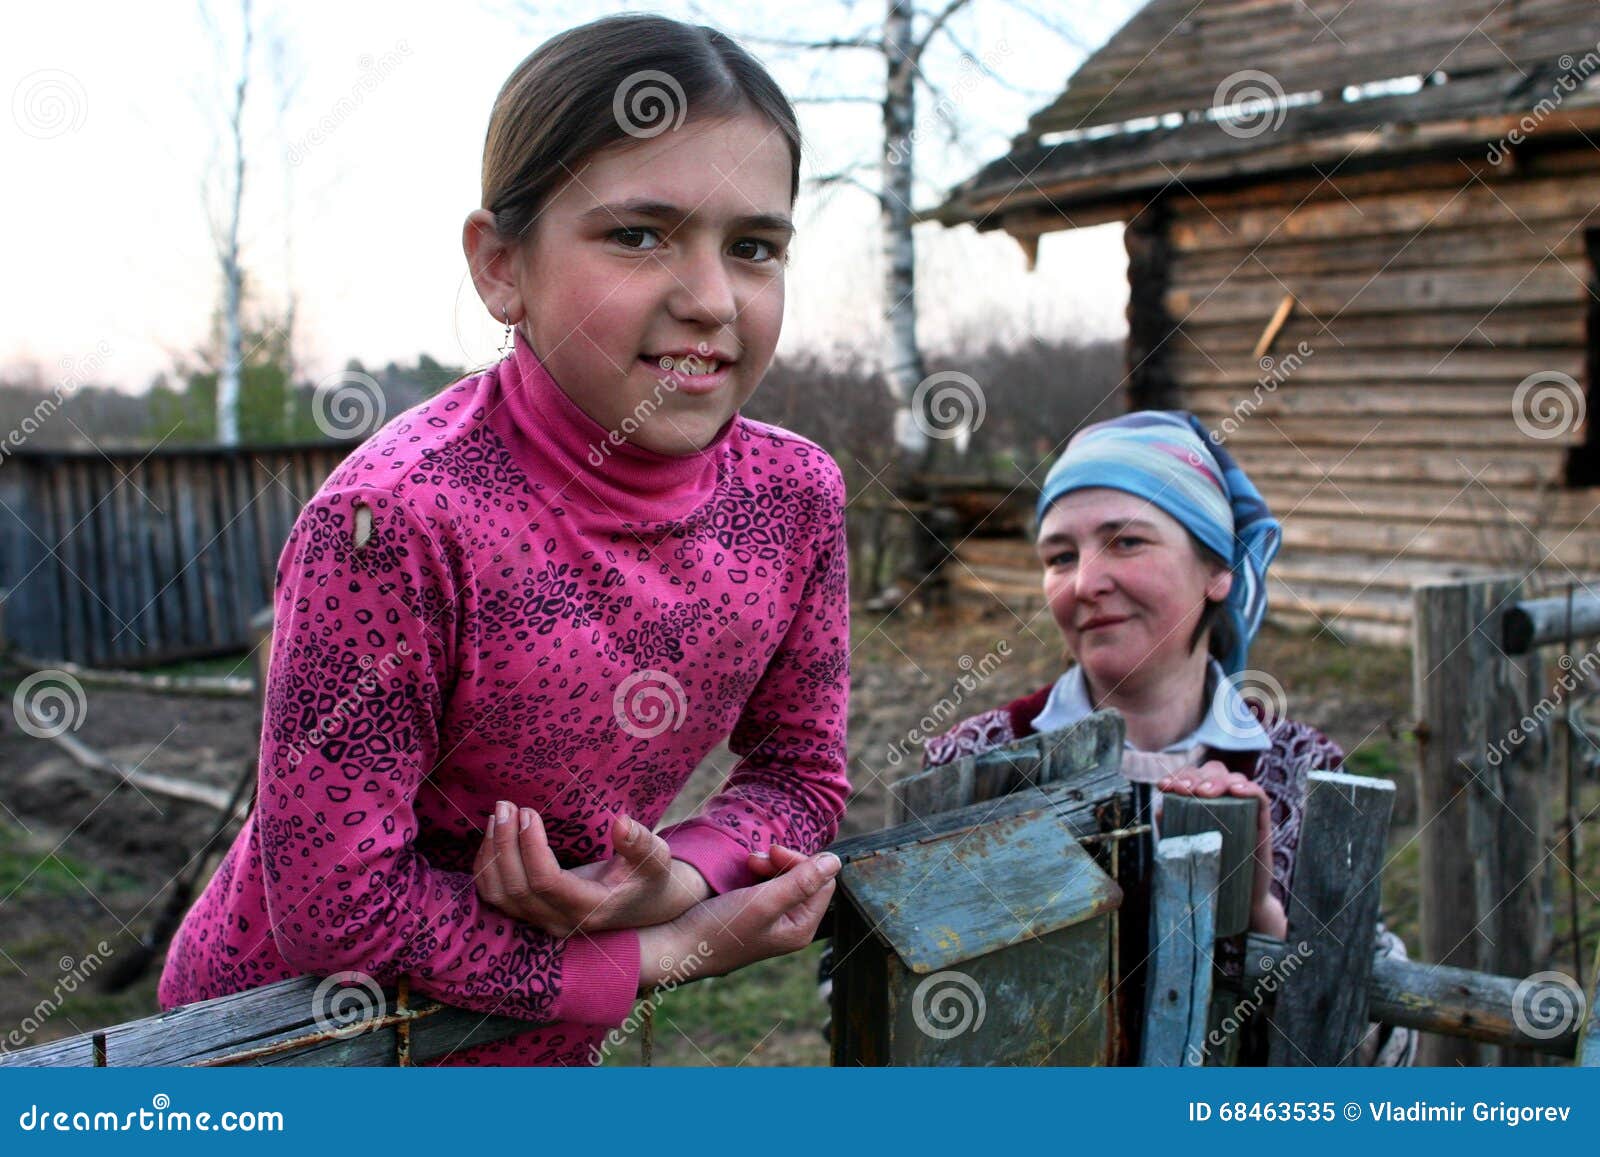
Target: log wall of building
pixel 1382 425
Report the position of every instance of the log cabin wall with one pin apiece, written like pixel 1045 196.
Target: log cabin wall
pixel 1384 425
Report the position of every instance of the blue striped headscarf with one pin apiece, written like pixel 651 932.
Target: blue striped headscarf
pixel 1167 458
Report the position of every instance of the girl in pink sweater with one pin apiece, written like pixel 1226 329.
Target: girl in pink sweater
pixel 511 624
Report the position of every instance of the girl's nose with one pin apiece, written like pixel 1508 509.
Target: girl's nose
pixel 704 291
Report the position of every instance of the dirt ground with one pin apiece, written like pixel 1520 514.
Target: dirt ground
pixel 82 861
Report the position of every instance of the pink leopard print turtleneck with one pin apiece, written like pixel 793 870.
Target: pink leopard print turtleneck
pixel 543 615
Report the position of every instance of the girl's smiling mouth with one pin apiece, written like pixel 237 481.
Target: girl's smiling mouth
pixel 692 372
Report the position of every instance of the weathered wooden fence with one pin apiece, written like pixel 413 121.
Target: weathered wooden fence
pixel 136 558
pixel 1487 708
pixel 1155 991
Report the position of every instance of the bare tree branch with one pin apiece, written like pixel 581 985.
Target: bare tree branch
pixel 865 40
pixel 939 21
pixel 872 100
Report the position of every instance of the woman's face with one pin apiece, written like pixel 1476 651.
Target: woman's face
pixel 660 258
pixel 1124 583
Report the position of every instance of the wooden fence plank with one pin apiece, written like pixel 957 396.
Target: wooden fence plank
pixel 1333 907
pixel 1183 931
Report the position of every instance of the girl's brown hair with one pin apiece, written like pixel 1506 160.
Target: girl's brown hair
pixel 571 97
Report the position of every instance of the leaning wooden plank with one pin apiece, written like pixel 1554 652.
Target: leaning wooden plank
pixel 219 686
pixel 1183 930
pixel 1333 906
pixel 144 781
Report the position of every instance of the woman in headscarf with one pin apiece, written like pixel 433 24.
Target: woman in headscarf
pixel 1155 548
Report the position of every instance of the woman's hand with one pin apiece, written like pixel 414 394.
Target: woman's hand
pixel 1213 779
pixel 642 884
pixel 772 918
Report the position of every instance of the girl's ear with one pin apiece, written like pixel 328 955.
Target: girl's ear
pixel 492 259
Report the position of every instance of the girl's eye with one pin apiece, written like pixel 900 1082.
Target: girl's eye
pixel 753 249
pixel 1062 558
pixel 636 238
pixel 1129 540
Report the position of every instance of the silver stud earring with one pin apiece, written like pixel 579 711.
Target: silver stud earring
pixel 507 346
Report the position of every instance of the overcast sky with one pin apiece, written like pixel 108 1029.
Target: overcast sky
pixel 115 121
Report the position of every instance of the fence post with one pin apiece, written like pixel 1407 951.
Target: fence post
pixel 1483 821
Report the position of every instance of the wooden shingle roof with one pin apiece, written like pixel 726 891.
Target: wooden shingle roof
pixel 1168 96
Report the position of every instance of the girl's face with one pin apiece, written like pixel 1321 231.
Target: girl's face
pixel 658 260
pixel 1125 584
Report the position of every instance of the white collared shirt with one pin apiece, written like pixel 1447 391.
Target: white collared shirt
pixel 1228 724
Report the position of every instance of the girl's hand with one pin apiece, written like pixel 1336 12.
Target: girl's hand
pixel 1213 779
pixel 642 884
pixel 737 928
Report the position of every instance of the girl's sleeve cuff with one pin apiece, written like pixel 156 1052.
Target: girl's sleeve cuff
pixel 599 977
pixel 721 859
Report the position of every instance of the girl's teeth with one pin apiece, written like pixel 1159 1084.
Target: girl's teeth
pixel 690 366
